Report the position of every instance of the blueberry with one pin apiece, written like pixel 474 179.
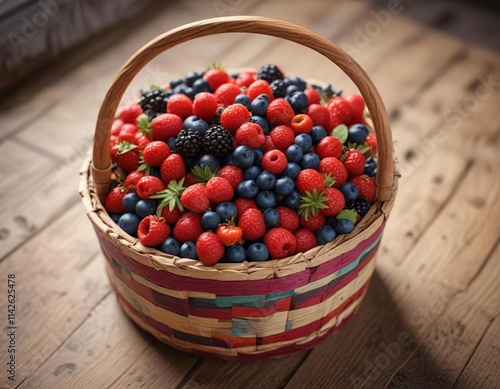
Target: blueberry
pixel 284 185
pixel 226 210
pixel 343 226
pixel 195 123
pixel 130 201
pixel 259 105
pixel 266 199
pixel 185 90
pixel 297 81
pixel 291 89
pixel 299 101
pixel 129 222
pixel 235 254
pixel 228 159
pixel 115 217
pixel 251 173
pixel 317 133
pixel 258 156
pixel 171 246
pixel 171 144
pixel 192 77
pixel 188 250
pixel 292 170
pixel 243 156
pixel 292 200
pixel 247 189
pixel 201 85
pixel 325 234
pixel 304 141
pixel 271 217
pixel 294 153
pixel 144 208
pixel 350 191
pixel 257 252
pixel 156 171
pixel 243 100
pixel 370 167
pixel 190 163
pixel 210 220
pixel 310 161
pixel 176 81
pixel 357 134
pixel 266 180
pixel 262 122
pixel 209 160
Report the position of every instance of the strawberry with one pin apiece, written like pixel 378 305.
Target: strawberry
pixel 114 200
pixel 132 179
pixel 209 248
pixel 232 173
pixel 229 234
pixel 306 240
pixel 301 124
pixel 205 106
pixel 180 105
pixel 152 231
pixel 313 222
pixel 334 169
pixel 190 180
pixel 141 141
pixel 245 78
pixel 289 219
pixel 329 146
pixel 354 163
pixel 127 156
pixel 234 116
pixel 335 202
pixel 172 168
pixel 219 190
pixel 274 161
pixel 371 140
pixel 357 104
pixel 188 227
pixel 260 87
pixel 251 135
pixel 280 242
pixel 116 126
pixel 243 204
pixel 130 112
pixel 340 112
pixel 127 130
pixel 283 137
pixel 313 96
pixel 155 153
pixel 165 126
pixel 252 224
pixel 279 112
pixel 319 115
pixel 366 186
pixel 215 78
pixel 308 180
pixel 226 93
pixel 195 198
pixel 148 186
pixel 171 216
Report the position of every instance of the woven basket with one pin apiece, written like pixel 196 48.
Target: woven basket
pixel 251 310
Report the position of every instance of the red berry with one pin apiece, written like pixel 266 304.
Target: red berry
pixel 148 186
pixel 274 161
pixel 268 144
pixel 116 126
pixel 335 202
pixel 367 187
pixel 188 227
pixel 357 105
pixel 130 112
pixel 155 153
pixel 205 105
pixel 313 222
pixel 259 87
pixel 354 163
pixel 229 234
pixel 329 146
pixel 114 200
pixel 340 112
pixel 243 204
pixel 335 169
pixel 251 135
pixel 127 156
pixel 371 140
pixel 172 168
pixel 252 224
pixel 313 96
pixel 245 78
pixel 180 105
pixel 301 124
pixel 152 231
pixel 319 115
pixel 215 78
pixel 279 112
pixel 308 180
pixel 306 240
pixel 280 242
pixel 226 93
pixel 233 174
pixel 189 179
pixel 282 137
pixel 165 126
pixel 132 179
pixel 289 219
pixel 209 248
pixel 171 216
pixel 127 132
pixel 195 198
pixel 234 116
pixel 219 190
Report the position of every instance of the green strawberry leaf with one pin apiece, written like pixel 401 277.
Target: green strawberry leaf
pixel 348 214
pixel 329 180
pixel 340 132
pixel 202 173
pixel 155 87
pixel 144 124
pixel 311 203
pixel 363 148
pixel 144 167
pixel 125 146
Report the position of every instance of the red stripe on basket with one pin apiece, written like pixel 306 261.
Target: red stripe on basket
pixel 231 288
pixel 213 313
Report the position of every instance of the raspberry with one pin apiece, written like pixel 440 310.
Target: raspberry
pixel 215 78
pixel 188 227
pixel 180 105
pixel 279 112
pixel 234 116
pixel 312 96
pixel 313 222
pixel 305 239
pixel 209 248
pixel 335 169
pixel 354 163
pixel 165 126
pixel 366 186
pixel 283 137
pixel 251 135
pixel 268 144
pixel 301 124
pixel 319 115
pixel 259 87
pixel 280 243
pixel 152 231
pixel 233 174
pixel 335 202
pixel 274 161
pixel 340 112
pixel 205 106
pixel 219 190
pixel 243 204
pixel 226 93
pixel 329 146
pixel 155 153
pixel 289 219
pixel 252 224
pixel 148 186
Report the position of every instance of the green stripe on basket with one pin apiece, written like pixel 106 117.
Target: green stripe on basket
pixel 239 301
pixel 355 263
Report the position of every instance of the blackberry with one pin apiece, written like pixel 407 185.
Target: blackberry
pixel 279 88
pixel 269 73
pixel 361 206
pixel 327 91
pixel 189 143
pixel 218 141
pixel 154 101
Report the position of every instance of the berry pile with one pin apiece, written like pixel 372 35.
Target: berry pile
pixel 250 166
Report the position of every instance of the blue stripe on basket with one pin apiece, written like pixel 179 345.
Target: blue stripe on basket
pixel 355 263
pixel 238 301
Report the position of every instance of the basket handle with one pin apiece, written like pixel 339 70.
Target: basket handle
pixel 101 164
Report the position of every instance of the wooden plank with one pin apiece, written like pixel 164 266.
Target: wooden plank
pixel 59 280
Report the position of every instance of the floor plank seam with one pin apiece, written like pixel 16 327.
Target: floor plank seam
pixel 36 149
pixel 190 374
pixel 290 376
pixel 131 364
pixel 483 265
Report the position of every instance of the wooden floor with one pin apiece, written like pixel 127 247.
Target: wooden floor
pixel 431 315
